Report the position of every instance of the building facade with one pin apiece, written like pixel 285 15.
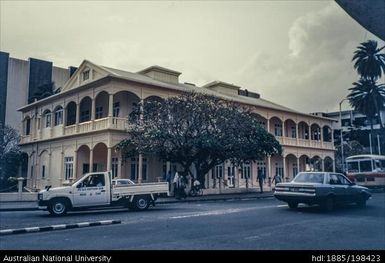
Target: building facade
pixel 349 122
pixel 76 130
pixel 20 80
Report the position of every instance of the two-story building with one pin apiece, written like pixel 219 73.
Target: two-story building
pixel 76 130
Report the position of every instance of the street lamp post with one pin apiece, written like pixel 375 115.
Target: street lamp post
pixel 342 140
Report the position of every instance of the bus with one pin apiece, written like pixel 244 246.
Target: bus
pixel 367 170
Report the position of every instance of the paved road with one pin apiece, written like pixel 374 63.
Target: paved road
pixel 238 224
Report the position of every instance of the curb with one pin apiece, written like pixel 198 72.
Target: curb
pixel 57 227
pixel 214 199
pixel 19 209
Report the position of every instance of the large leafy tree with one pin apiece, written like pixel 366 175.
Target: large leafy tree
pixel 9 154
pixel 199 131
pixel 366 95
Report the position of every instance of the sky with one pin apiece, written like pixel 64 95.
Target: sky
pixel 294 53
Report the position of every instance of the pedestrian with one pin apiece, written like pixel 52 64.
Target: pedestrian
pixel 175 183
pixel 168 180
pixel 261 179
pixel 277 179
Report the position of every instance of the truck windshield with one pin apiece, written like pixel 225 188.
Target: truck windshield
pixel 309 178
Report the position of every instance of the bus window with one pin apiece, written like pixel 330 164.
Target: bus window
pixel 366 166
pixel 382 165
pixel 352 167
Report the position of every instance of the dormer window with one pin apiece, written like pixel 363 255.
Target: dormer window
pixel 86 75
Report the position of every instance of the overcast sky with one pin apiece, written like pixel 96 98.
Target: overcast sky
pixel 295 53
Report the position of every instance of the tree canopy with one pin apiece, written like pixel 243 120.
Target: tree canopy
pixel 197 130
pixel 9 154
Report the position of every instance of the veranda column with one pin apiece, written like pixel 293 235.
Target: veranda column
pixel 108 159
pixel 119 175
pixel 75 166
pixel 298 167
pixel 323 165
pixel 284 168
pixel 140 168
pixel 268 125
pixel 332 131
pixel 140 161
pixel 77 116
pixel 91 160
pixel 269 170
pixel 334 165
pixel 110 108
pixel 296 133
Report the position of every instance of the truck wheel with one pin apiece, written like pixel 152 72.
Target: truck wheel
pixel 293 205
pixel 141 203
pixel 58 207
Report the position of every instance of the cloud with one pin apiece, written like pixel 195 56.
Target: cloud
pixel 316 72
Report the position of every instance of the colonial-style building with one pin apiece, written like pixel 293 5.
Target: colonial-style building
pixel 75 131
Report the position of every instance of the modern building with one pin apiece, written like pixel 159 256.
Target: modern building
pixel 20 80
pixel 353 121
pixel 75 131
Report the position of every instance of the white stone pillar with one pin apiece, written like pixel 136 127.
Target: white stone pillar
pixel 109 159
pixel 93 109
pixel 284 168
pixel 140 168
pixel 297 133
pixel 20 188
pixel 119 174
pixel 323 165
pixel 268 125
pixel 298 167
pixel 334 165
pixel 77 117
pixel 283 129
pixel 110 108
pixel 91 160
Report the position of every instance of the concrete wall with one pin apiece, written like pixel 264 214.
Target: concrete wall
pixel 60 76
pixel 14 197
pixel 3 84
pixel 17 91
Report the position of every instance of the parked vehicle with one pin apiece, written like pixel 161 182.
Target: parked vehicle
pixel 95 190
pixel 367 170
pixel 121 182
pixel 322 188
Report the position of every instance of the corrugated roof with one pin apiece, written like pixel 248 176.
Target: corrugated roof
pixel 184 87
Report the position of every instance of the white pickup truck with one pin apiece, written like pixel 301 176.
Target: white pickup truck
pixel 95 190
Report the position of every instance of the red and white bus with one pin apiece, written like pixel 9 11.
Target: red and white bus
pixel 367 170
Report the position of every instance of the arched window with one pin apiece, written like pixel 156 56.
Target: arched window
pixel 59 116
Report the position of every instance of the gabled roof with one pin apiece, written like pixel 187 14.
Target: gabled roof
pixel 103 71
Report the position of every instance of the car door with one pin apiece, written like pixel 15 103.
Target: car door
pixel 91 191
pixel 350 194
pixel 337 187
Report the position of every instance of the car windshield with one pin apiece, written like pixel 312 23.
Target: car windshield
pixel 309 178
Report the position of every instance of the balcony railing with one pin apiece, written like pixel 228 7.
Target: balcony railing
pixel 123 124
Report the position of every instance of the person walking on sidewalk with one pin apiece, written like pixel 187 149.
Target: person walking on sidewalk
pixel 261 179
pixel 277 179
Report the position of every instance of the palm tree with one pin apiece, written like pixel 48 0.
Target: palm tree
pixel 368 98
pixel 369 62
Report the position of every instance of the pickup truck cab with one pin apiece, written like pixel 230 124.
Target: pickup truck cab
pixel 95 190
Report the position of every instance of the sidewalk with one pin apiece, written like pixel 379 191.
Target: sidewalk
pixel 30 206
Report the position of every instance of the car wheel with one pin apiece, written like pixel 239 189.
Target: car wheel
pixel 293 205
pixel 361 201
pixel 328 205
pixel 58 207
pixel 141 203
